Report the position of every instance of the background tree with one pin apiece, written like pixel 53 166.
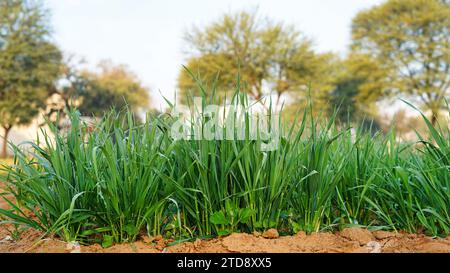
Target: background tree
pixel 359 84
pixel 313 82
pixel 405 124
pixel 411 38
pixel 29 63
pixel 112 86
pixel 93 92
pixel 266 54
pixel 67 91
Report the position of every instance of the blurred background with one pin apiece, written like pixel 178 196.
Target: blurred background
pixel 356 57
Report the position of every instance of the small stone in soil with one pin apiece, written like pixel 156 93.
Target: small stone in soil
pixel 374 247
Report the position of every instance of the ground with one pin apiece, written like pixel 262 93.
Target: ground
pixel 348 241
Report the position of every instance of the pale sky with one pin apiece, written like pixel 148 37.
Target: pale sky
pixel 147 35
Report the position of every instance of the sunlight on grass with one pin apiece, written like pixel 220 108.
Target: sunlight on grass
pixel 6 161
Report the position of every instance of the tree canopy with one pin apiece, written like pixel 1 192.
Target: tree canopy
pixel 29 62
pixel 411 39
pixel 359 84
pixel 112 86
pixel 266 54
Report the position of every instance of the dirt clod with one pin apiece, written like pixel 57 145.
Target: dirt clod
pixel 434 247
pixel 363 236
pixel 271 234
pixel 147 239
pixel 381 234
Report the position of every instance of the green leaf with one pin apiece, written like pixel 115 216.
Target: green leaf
pixel 131 230
pixel 295 227
pixel 224 232
pixel 218 218
pixel 245 215
pixel 108 241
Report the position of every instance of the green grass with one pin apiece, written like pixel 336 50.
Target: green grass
pixel 6 161
pixel 124 178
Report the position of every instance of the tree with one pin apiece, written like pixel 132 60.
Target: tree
pixel 29 63
pixel 206 68
pixel 66 93
pixel 358 86
pixel 113 86
pixel 94 92
pixel 313 83
pixel 411 38
pixel 264 53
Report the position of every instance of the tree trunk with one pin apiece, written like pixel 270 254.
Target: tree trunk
pixel 434 115
pixel 5 142
pixel 278 101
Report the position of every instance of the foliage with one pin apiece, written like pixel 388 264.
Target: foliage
pixel 113 87
pixel 359 84
pixel 267 55
pixel 94 92
pixel 410 38
pixel 29 63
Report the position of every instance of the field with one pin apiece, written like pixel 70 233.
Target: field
pixel 124 181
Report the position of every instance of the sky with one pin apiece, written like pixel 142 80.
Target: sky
pixel 147 35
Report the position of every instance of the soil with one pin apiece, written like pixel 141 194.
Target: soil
pixel 347 241
pixel 351 240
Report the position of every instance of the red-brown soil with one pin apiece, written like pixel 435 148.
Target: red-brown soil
pixel 348 241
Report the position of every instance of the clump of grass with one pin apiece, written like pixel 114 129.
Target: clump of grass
pixel 90 181
pixel 226 186
pixel 122 178
pixel 414 193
